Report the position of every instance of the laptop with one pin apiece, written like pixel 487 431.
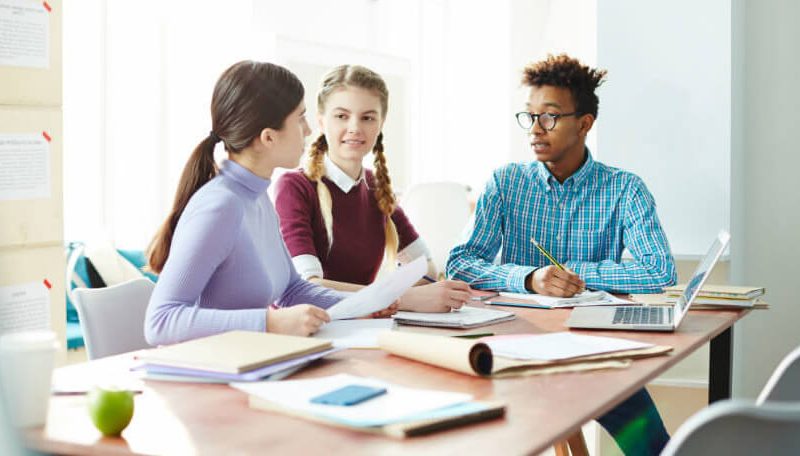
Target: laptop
pixel 651 318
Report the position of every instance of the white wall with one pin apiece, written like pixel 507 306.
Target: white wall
pixel 765 192
pixel 665 109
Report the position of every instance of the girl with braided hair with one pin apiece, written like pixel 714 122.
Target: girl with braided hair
pixel 341 221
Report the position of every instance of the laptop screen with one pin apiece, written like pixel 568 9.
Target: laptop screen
pixel 701 274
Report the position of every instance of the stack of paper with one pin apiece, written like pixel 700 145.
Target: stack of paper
pixel 465 317
pixel 232 356
pixel 585 299
pixel 401 411
pixel 719 295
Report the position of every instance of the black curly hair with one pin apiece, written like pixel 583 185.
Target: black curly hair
pixel 565 71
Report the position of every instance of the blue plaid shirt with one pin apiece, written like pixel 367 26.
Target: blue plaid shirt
pixel 585 223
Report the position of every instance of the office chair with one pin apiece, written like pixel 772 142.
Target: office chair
pixel 784 384
pixel 739 427
pixel 439 211
pixel 112 318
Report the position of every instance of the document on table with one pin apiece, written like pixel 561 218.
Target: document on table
pixel 465 317
pixel 557 346
pixel 381 293
pixel 355 333
pixel 585 299
pixel 396 405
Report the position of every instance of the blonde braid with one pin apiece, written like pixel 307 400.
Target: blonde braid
pixel 314 170
pixel 386 200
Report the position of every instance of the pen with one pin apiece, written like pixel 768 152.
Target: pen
pixel 519 304
pixel 429 278
pixel 550 257
pixel 547 254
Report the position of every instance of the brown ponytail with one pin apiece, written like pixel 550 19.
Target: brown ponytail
pixel 248 97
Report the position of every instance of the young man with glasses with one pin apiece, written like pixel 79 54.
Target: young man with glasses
pixel 583 212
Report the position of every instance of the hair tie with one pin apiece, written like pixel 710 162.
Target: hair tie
pixel 214 137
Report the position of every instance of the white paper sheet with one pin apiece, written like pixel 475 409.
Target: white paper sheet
pixel 381 293
pixel 398 402
pixel 24 167
pixel 355 333
pixel 25 41
pixel 557 346
pixel 24 306
pixel 585 299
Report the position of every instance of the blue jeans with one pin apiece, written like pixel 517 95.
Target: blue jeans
pixel 636 425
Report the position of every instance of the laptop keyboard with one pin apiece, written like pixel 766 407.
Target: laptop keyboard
pixel 640 315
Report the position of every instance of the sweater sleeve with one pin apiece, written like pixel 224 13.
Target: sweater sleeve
pixel 406 233
pixel 203 239
pixel 295 201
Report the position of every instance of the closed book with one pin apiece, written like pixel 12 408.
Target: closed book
pixel 458 415
pixel 234 352
pixel 720 291
pixel 715 301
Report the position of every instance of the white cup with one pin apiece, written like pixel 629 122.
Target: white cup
pixel 26 370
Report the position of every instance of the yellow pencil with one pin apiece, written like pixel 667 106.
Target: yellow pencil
pixel 547 254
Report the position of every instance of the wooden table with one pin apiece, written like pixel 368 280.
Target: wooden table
pixel 181 418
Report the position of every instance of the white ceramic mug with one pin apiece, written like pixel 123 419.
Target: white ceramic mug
pixel 26 370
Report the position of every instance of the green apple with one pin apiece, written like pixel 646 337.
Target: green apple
pixel 111 410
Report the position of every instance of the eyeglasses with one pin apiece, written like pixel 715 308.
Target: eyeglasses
pixel 546 120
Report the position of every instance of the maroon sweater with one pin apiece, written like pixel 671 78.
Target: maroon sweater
pixel 358 227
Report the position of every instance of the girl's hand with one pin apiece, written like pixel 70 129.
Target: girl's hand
pixel 299 320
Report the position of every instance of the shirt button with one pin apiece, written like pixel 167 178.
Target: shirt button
pixel 558 237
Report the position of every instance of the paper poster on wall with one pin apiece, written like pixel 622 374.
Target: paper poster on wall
pixel 24 306
pixel 24 166
pixel 24 34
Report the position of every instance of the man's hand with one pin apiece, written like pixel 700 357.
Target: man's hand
pixel 552 281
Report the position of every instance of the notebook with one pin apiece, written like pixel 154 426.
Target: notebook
pixel 657 318
pixel 719 291
pixel 401 411
pixel 234 351
pixel 465 317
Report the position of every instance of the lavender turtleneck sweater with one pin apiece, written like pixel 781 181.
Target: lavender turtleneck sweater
pixel 227 264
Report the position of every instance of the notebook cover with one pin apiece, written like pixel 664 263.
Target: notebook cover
pixel 470 412
pixel 234 351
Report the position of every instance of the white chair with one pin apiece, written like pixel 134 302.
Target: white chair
pixel 112 318
pixel 439 212
pixel 738 427
pixel 784 384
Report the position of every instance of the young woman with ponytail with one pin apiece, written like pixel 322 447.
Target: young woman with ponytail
pixel 341 221
pixel 220 256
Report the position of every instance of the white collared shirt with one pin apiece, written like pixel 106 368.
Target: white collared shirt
pixel 339 177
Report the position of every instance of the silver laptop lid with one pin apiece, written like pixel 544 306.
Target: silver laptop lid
pixel 700 275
